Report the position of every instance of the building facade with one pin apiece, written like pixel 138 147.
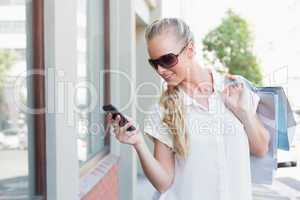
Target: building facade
pixel 77 56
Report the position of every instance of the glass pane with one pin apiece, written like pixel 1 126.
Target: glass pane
pixel 90 89
pixel 14 158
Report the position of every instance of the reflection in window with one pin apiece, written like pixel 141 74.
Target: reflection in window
pixel 13 123
pixel 12 27
pixel 90 89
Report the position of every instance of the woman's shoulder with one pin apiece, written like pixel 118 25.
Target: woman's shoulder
pixel 156 109
pixel 155 128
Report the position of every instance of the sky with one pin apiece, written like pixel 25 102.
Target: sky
pixel 275 26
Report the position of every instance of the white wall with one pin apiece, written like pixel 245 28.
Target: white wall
pixel 60 62
pixel 148 83
pixel 129 56
pixel 122 84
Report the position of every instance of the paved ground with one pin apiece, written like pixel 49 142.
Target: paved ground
pixel 13 175
pixel 285 186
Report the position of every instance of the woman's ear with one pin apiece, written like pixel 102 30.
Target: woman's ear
pixel 191 50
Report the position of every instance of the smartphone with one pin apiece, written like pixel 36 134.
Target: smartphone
pixel 110 108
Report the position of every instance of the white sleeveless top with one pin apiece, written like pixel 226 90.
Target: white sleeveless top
pixel 218 164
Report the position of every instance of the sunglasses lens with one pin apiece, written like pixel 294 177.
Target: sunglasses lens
pixel 168 60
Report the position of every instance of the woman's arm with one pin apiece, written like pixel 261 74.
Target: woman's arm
pixel 257 134
pixel 237 99
pixel 159 168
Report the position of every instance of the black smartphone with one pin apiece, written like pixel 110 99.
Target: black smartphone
pixel 110 108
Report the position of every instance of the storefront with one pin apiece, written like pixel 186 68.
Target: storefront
pixel 78 56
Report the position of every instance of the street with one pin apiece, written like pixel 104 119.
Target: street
pixel 13 174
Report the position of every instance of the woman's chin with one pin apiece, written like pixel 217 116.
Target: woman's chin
pixel 172 82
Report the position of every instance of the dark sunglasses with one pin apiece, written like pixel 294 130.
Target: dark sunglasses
pixel 166 61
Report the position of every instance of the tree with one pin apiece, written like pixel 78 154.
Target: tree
pixel 7 58
pixel 231 44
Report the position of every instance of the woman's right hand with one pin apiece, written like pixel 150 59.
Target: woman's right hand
pixel 127 137
pixel 159 168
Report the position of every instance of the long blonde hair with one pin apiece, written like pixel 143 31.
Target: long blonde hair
pixel 170 100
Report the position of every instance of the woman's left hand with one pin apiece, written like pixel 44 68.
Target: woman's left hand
pixel 238 99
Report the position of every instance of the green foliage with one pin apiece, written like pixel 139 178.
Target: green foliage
pixel 231 44
pixel 7 58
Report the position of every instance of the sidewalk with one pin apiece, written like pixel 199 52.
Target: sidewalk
pixel 285 186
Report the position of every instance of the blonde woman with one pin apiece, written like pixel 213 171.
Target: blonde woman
pixel 203 129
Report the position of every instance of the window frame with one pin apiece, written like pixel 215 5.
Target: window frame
pixel 38 91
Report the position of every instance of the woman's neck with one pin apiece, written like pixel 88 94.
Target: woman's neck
pixel 198 80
